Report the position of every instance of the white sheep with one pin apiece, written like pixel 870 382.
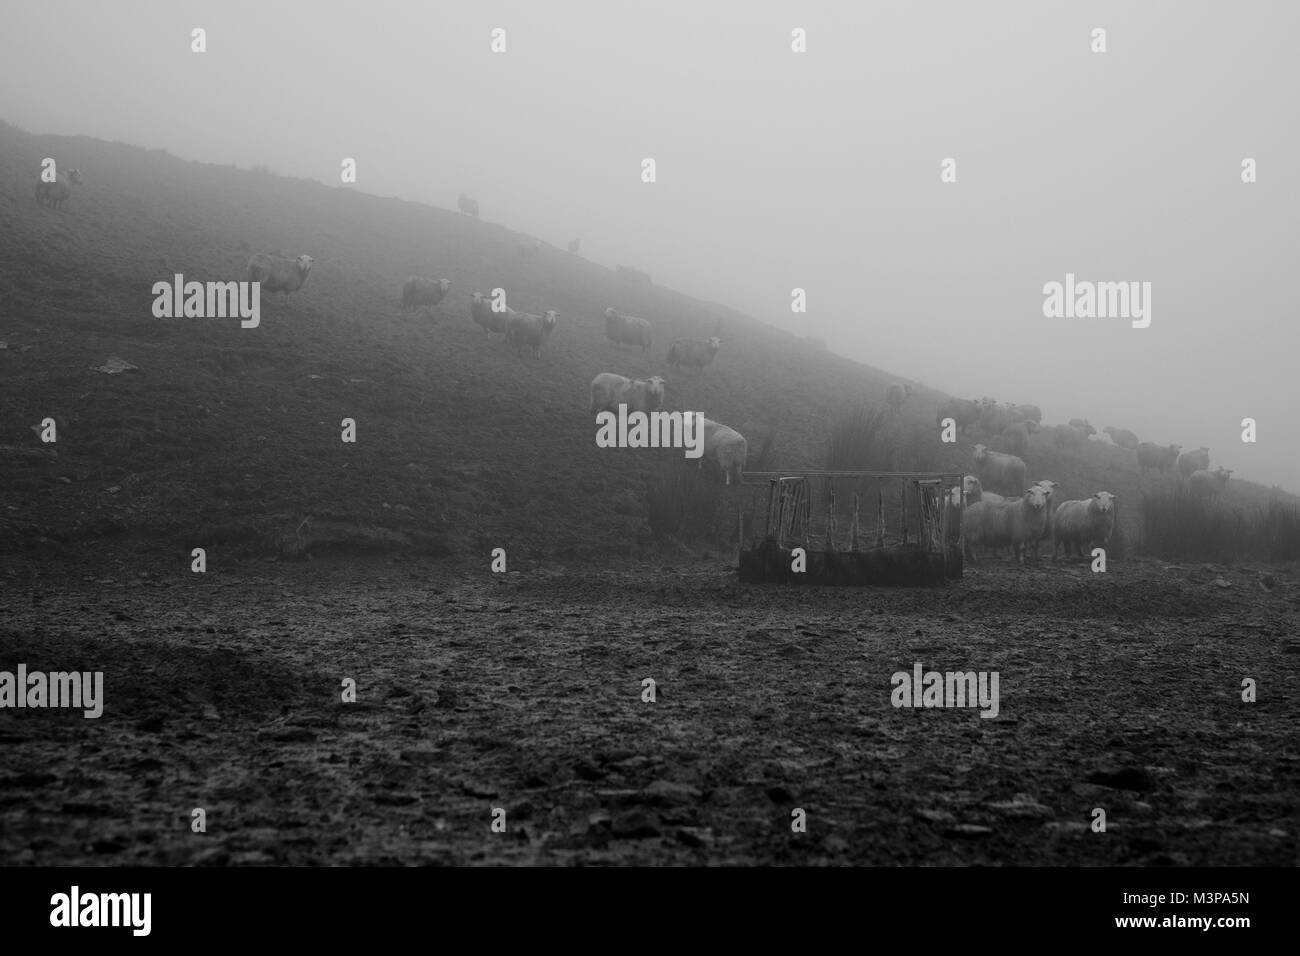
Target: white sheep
pixel 997 470
pixel 467 205
pixel 609 390
pixel 1014 523
pixel 1017 438
pixel 1156 456
pixel 1208 484
pixel 530 249
pixel 530 330
pixel 574 246
pixel 1122 437
pixel 895 394
pixel 629 329
pixel 693 352
pixel 1083 524
pixel 725 446
pixel 277 274
pixel 424 292
pixel 1193 461
pixel 480 310
pixel 56 193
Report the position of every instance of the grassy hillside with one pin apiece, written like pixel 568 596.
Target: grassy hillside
pixel 230 437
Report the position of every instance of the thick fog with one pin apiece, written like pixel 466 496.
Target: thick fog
pixel 776 170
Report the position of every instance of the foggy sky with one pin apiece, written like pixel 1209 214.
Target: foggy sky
pixel 778 170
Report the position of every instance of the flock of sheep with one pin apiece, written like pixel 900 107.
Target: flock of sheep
pixel 986 518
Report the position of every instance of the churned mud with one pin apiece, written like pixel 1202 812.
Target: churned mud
pixel 523 692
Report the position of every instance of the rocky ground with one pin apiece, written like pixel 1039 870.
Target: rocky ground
pixel 523 691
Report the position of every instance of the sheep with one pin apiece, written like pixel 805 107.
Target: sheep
pixel 1015 522
pixel 530 330
pixel 1208 484
pixel 693 352
pixel 1083 425
pixel 423 292
pixel 635 276
pixel 56 193
pixel 895 394
pixel 1017 438
pixel 1122 437
pixel 1083 524
pixel 1049 487
pixel 997 470
pixel 467 205
pixel 573 246
pixel 970 491
pixel 1190 462
pixel 965 415
pixel 630 329
pixel 1026 413
pixel 608 391
pixel 481 312
pixel 726 447
pixel 529 250
pixel 1154 456
pixel 277 274
pixel 1068 436
pixel 993 418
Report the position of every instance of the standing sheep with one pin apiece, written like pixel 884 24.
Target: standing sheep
pixel 693 352
pixel 965 414
pixel 1014 523
pixel 1083 524
pixel 1154 456
pixel 996 470
pixel 1122 437
pixel 1208 484
pixel 480 310
pixel 726 447
pixel 1083 425
pixel 530 330
pixel 1068 436
pixel 423 292
pixel 277 274
pixel 1193 461
pixel 609 390
pixel 629 329
pixel 574 245
pixel 467 205
pixel 56 193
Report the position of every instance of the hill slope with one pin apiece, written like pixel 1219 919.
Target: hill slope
pixel 230 435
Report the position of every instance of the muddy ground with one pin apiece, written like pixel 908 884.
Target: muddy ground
pixel 523 691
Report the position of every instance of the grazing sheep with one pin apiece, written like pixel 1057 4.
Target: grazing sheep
pixel 726 447
pixel 277 274
pixel 530 330
pixel 1017 438
pixel 693 352
pixel 573 246
pixel 635 276
pixel 1122 437
pixel 895 394
pixel 1067 436
pixel 1190 462
pixel 423 292
pixel 480 310
pixel 467 205
pixel 1014 523
pixel 1083 425
pixel 996 470
pixel 1208 484
pixel 1084 524
pixel 629 329
pixel 965 414
pixel 608 391
pixel 56 193
pixel 1154 456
